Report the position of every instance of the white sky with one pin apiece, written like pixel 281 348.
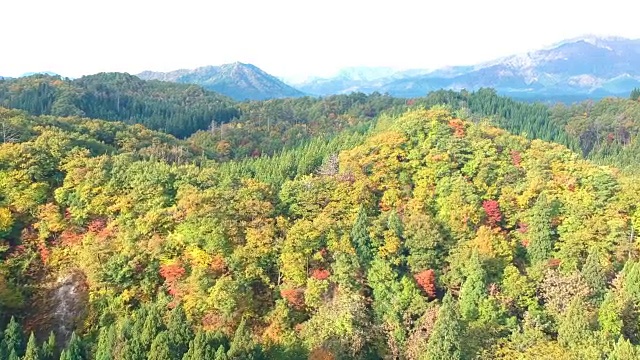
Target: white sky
pixel 289 38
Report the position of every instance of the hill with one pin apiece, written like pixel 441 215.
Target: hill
pixel 431 235
pixel 178 109
pixel 584 67
pixel 237 80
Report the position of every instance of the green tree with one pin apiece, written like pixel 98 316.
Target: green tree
pixel 49 347
pixel 161 348
pixel 14 337
pixel 242 346
pixel 574 329
pixel 75 349
pixel 473 289
pixel 13 355
pixel 199 348
pixel 106 343
pixel 221 354
pixel 360 237
pixel 32 352
pixel 594 274
pixel 624 350
pixel 445 342
pixel 180 332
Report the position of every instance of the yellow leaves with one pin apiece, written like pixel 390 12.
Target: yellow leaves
pixel 6 220
pixel 391 247
pixel 198 258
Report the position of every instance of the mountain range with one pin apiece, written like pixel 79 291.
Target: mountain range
pixel 237 80
pixel 588 66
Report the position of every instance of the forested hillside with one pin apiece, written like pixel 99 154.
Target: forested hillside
pixel 174 108
pixel 432 235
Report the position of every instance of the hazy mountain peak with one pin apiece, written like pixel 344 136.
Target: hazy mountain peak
pixel 238 80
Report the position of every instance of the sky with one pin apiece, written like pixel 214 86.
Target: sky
pixel 289 39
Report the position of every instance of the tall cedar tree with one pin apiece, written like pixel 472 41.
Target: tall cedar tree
pixel 32 352
pixel 473 289
pixel 445 342
pixel 360 238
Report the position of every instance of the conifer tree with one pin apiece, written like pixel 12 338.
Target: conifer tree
pixel 49 347
pixel 242 345
pixel 473 289
pixel 152 326
pixel 74 350
pixel 180 332
pixel 161 348
pixel 13 355
pixel 539 231
pixel 221 354
pixel 106 342
pixel 32 352
pixel 360 237
pixel 445 342
pixel 594 274
pixel 199 348
pixel 14 337
pixel 624 350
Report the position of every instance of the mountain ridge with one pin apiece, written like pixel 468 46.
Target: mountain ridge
pixel 237 80
pixel 586 66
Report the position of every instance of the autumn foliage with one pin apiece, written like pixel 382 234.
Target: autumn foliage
pixel 427 281
pixel 492 209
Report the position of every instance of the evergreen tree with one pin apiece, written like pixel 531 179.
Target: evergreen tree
pixel 106 343
pixel 199 348
pixel 242 345
pixel 473 289
pixel 75 348
pixel 609 317
pixel 624 350
pixel 13 355
pixel 446 337
pixel 49 347
pixel 594 274
pixel 179 331
pixel 360 237
pixel 161 348
pixel 32 352
pixel 574 328
pixel 635 94
pixel 539 231
pixel 221 354
pixel 152 326
pixel 14 337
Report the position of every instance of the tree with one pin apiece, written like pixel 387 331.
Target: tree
pixel 624 350
pixel 199 348
pixel 594 274
pixel 74 350
pixel 106 342
pixel 49 347
pixel 32 352
pixel 161 348
pixel 473 289
pixel 360 237
pixel 221 354
pixel 179 331
pixel 13 355
pixel 14 337
pixel 574 329
pixel 445 342
pixel 635 94
pixel 242 345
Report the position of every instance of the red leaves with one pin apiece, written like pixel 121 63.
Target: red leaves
pixel 320 274
pixel 171 274
pixel 458 127
pixel 293 297
pixel 427 281
pixel 492 209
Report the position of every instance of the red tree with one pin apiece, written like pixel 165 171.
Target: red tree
pixel 492 209
pixel 427 281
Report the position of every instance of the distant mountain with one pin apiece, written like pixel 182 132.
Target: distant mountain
pixel 50 73
pixel 238 81
pixel 588 66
